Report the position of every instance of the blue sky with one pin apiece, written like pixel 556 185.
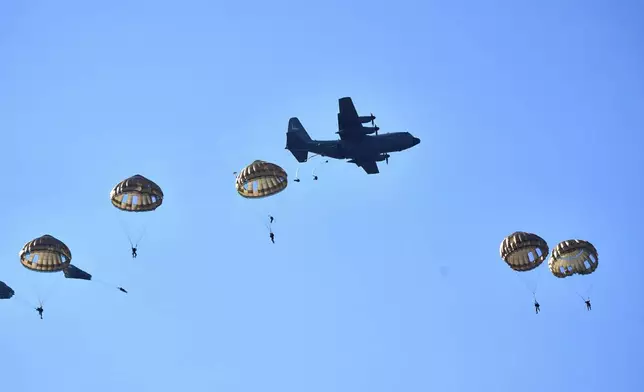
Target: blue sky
pixel 530 116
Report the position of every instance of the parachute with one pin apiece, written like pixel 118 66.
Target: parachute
pixel 6 292
pixel 48 254
pixel 136 194
pixel 523 251
pixel 261 179
pixel 45 254
pixel 573 257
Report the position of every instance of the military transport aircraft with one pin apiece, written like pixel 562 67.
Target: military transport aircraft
pixel 355 142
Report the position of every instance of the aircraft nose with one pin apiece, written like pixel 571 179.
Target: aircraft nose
pixel 416 141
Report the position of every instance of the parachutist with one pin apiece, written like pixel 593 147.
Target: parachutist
pixel 315 178
pixel 122 289
pixel 272 237
pixel 134 252
pixel 271 218
pixel 587 304
pixel 297 180
pixel 536 306
pixel 40 310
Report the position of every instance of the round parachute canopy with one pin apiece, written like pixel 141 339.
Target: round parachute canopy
pixel 45 254
pixel 523 251
pixel 261 179
pixel 136 194
pixel 573 257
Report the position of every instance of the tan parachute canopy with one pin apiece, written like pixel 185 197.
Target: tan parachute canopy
pixel 573 257
pixel 523 251
pixel 136 194
pixel 261 179
pixel 45 254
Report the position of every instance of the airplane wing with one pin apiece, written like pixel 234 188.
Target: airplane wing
pixel 371 167
pixel 348 115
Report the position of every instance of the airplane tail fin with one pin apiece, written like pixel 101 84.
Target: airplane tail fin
pixel 297 140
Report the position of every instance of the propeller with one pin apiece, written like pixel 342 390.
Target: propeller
pixel 372 118
pixel 376 127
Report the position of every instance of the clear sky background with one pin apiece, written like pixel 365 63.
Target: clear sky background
pixel 530 115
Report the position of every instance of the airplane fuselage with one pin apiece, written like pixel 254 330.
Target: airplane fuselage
pixel 366 147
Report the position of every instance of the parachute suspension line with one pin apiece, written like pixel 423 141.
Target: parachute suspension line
pixel 23 301
pixel 106 284
pixel 532 283
pixel 49 293
pixel 316 167
pixel 586 292
pixel 538 276
pixel 262 216
pixel 528 286
pixel 100 281
pixel 127 232
pixel 136 244
pixel 590 289
pixel 265 219
pixel 129 236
